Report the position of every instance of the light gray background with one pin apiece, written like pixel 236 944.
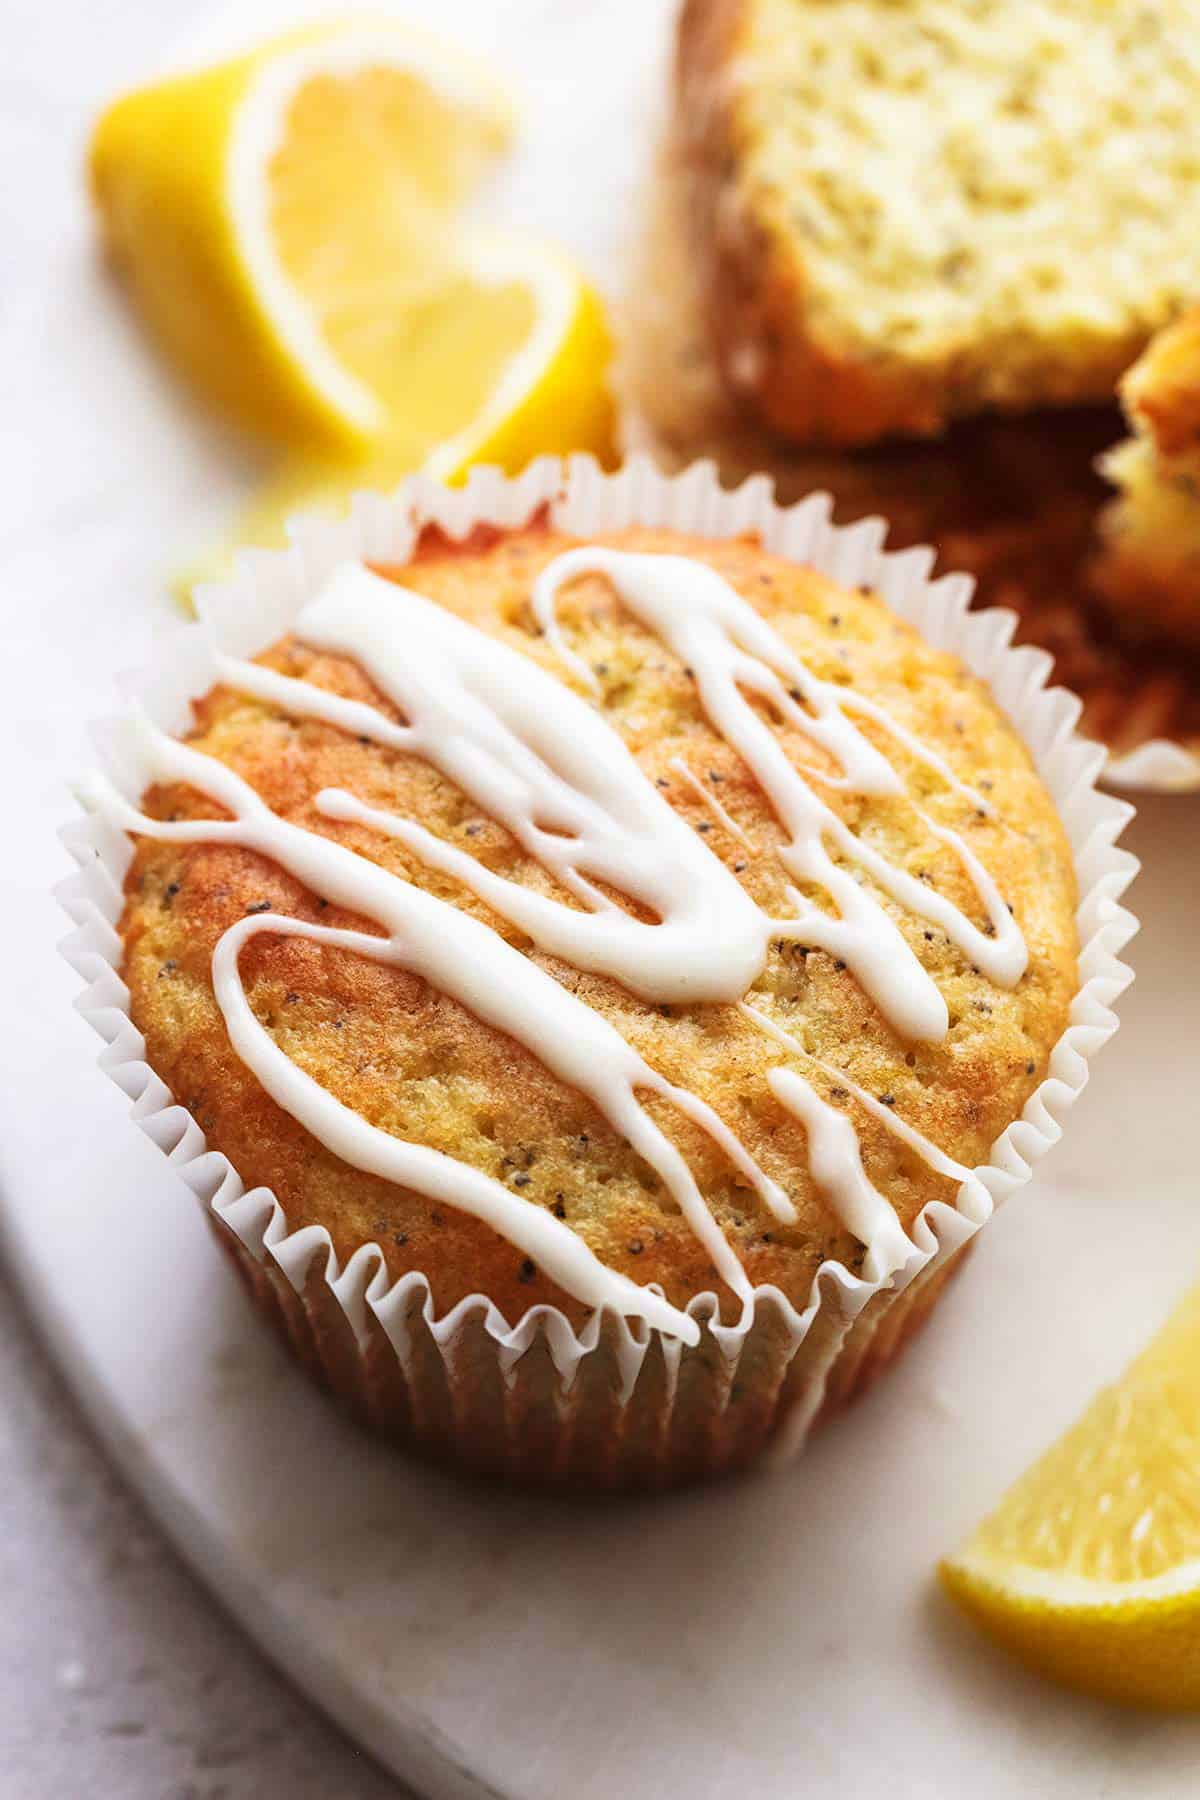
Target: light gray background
pixel 119 1677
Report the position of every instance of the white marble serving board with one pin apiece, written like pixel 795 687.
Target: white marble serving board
pixel 775 1637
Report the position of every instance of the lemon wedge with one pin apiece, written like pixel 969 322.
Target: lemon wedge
pixel 289 222
pixel 1089 1569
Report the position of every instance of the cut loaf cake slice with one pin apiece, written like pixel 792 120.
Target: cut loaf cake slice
pixel 910 211
pixel 1149 564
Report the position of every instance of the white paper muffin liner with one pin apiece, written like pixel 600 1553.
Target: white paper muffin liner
pixel 1157 767
pixel 614 1403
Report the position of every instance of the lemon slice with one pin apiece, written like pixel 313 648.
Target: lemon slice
pixel 1089 1569
pixel 289 222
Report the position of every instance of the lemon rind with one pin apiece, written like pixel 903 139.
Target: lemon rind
pixel 1067 1593
pixel 494 260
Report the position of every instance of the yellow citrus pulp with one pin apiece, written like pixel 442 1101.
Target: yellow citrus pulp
pixel 291 224
pixel 1089 1569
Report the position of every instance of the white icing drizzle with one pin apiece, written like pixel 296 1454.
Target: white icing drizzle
pixel 536 757
pixel 835 1163
pixel 692 609
pixel 730 650
pixel 870 1217
pixel 532 1229
pixel 850 700
pixel 465 959
pixel 723 818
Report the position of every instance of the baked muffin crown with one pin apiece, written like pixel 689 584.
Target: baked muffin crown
pixel 781 1040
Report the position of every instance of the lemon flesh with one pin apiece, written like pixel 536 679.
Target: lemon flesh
pixel 1089 1569
pixel 290 224
pixel 358 204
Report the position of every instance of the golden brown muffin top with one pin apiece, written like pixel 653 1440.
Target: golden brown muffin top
pixel 422 1067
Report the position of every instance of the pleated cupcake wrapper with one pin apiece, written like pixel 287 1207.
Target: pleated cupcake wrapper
pixel 614 1402
pixel 1158 766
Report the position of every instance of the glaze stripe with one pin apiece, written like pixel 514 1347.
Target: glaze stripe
pixel 539 759
pixel 728 649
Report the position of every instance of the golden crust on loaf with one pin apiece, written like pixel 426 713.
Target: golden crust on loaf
pixel 910 214
pixel 418 1065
